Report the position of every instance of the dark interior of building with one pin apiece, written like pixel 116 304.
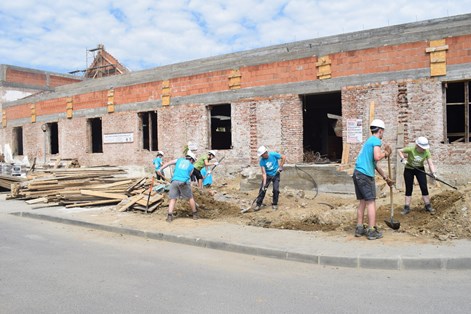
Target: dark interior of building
pixel 318 129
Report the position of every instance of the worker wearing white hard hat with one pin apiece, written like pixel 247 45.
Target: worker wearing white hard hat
pixel 204 162
pixel 271 165
pixel 157 162
pixel 413 157
pixel 364 179
pixel 180 184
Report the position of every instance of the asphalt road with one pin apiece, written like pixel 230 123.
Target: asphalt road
pixel 53 268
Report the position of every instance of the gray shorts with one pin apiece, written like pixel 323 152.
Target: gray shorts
pixel 180 189
pixel 365 188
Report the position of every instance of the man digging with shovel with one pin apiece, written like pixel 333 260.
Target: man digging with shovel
pixel 271 164
pixel 364 180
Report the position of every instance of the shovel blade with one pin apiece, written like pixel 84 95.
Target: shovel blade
pixel 395 225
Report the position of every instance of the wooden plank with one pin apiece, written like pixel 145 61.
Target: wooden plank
pixel 36 200
pixel 128 202
pixel 372 112
pixel 154 198
pixel 102 202
pixel 399 166
pixel 103 194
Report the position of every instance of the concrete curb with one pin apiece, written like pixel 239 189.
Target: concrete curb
pixel 358 261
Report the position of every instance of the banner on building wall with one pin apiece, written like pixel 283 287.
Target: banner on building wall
pixel 354 131
pixel 113 138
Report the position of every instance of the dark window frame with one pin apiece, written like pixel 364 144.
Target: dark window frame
pixel 457 103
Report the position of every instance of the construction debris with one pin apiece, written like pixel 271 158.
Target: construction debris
pixel 80 187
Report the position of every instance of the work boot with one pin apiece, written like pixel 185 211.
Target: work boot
pixel 169 217
pixel 274 207
pixel 195 215
pixel 373 234
pixel 428 208
pixel 406 210
pixel 360 230
pixel 257 208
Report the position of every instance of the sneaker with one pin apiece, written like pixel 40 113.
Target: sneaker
pixel 169 217
pixel 373 234
pixel 428 208
pixel 274 207
pixel 257 208
pixel 195 216
pixel 406 210
pixel 360 231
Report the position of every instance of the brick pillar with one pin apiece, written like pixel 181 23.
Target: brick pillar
pixel 253 132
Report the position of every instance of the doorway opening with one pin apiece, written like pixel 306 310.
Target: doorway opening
pixel 17 147
pixel 96 135
pixel 53 137
pixel 322 139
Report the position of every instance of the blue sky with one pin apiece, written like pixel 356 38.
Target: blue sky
pixel 141 34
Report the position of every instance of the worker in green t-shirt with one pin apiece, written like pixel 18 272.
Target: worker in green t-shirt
pixel 203 162
pixel 414 166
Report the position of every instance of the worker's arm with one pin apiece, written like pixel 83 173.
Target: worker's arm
pixel 378 154
pixel 172 162
pixel 431 166
pixel 264 176
pixel 282 161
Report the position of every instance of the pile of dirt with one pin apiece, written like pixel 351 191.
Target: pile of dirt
pixel 336 213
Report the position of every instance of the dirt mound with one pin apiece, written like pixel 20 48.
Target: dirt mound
pixel 336 213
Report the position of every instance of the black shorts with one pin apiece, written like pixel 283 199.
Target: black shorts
pixel 197 174
pixel 365 188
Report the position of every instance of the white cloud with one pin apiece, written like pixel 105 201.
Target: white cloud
pixel 54 35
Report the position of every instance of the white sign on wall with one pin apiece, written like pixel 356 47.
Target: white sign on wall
pixel 354 131
pixel 118 138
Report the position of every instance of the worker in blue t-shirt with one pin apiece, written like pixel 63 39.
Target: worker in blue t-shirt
pixel 158 160
pixel 207 177
pixel 180 184
pixel 364 180
pixel 271 164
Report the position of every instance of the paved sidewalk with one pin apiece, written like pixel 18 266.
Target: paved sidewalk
pixel 309 247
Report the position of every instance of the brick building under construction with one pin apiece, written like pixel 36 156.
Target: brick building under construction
pixel 416 77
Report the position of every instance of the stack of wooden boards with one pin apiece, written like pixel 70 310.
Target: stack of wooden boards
pixel 80 187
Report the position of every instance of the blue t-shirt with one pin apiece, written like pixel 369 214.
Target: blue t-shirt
pixel 183 169
pixel 365 161
pixel 157 163
pixel 209 178
pixel 271 163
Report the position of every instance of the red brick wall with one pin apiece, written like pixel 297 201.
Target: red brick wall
pixel 37 79
pixel 23 77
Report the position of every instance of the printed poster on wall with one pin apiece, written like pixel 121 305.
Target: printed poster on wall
pixel 354 131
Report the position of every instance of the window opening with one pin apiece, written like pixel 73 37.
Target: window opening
pixel 458 107
pixel 220 126
pixel 96 135
pixel 322 140
pixel 149 130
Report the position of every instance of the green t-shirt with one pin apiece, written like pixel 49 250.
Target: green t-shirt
pixel 414 158
pixel 199 164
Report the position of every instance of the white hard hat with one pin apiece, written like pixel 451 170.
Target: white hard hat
pixel 261 150
pixel 191 155
pixel 159 152
pixel 377 123
pixel 422 142
pixel 212 152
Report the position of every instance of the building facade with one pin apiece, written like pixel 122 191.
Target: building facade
pixel 416 77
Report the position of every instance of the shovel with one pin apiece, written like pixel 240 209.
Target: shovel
pixel 391 223
pixel 244 210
